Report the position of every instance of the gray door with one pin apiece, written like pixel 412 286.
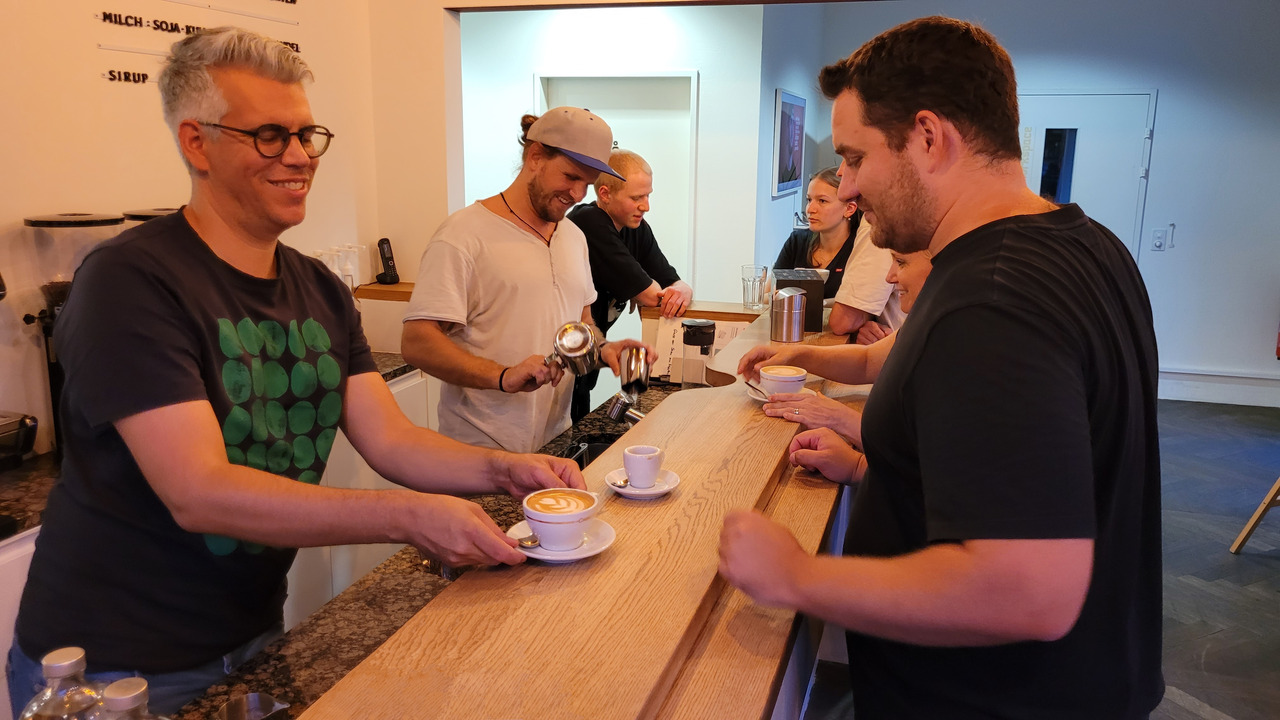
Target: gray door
pixel 1107 158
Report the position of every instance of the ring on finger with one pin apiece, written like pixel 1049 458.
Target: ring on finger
pixel 796 411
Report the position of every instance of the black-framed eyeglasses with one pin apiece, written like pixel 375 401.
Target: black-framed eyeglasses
pixel 272 140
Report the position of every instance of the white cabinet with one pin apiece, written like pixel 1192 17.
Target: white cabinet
pixel 15 558
pixel 318 574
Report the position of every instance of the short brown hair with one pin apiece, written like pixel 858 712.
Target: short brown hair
pixel 950 67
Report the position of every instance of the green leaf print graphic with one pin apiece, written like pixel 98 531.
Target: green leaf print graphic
pixel 328 371
pixel 282 385
pixel 236 381
pixel 249 336
pixel 303 380
pixel 296 345
pixel 273 338
pixel 237 425
pixel 228 341
pixel 315 335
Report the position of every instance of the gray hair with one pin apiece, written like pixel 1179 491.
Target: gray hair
pixel 187 90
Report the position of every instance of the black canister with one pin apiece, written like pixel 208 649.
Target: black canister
pixel 699 348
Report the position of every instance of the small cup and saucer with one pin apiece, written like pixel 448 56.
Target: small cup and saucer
pixel 780 379
pixel 565 523
pixel 666 481
pixel 643 473
pixel 597 536
pixel 754 395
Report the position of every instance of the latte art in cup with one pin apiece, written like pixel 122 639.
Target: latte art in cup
pixel 557 502
pixel 782 371
pixel 558 516
pixel 782 379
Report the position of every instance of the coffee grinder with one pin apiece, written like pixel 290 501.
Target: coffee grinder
pixel 62 240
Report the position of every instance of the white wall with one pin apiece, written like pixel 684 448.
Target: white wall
pixel 501 52
pixel 792 54
pixel 1216 294
pixel 76 142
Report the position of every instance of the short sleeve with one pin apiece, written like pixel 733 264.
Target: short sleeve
pixel 614 271
pixel 864 286
pixel 443 285
pixel 791 255
pixel 1003 430
pixel 652 259
pixel 125 338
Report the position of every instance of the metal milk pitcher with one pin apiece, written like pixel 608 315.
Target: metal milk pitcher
pixel 575 349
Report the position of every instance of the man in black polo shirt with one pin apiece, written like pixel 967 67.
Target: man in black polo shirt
pixel 626 263
pixel 1003 555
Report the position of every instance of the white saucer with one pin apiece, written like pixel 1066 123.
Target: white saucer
pixel 666 482
pixel 758 397
pixel 599 535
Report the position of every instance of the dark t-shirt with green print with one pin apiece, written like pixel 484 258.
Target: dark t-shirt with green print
pixel 155 318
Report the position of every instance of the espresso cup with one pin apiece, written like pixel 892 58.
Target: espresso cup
pixel 558 516
pixel 782 379
pixel 643 463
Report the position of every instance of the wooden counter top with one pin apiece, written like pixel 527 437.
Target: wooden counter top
pixel 400 292
pixel 646 629
pixel 709 310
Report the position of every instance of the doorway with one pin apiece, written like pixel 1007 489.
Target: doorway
pixel 657 117
pixel 1099 152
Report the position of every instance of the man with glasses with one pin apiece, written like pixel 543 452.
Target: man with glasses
pixel 209 368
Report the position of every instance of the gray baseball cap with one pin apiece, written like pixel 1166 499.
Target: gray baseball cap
pixel 577 133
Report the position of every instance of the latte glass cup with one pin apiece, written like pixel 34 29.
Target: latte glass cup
pixel 782 379
pixel 643 463
pixel 558 516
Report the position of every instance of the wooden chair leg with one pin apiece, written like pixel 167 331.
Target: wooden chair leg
pixel 1271 500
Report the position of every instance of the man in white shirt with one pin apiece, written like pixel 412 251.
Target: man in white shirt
pixel 866 306
pixel 499 278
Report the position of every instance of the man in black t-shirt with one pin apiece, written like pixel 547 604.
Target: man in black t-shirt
pixel 627 265
pixel 1003 555
pixel 208 370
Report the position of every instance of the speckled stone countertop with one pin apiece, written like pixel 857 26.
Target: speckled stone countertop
pixel 319 651
pixel 25 490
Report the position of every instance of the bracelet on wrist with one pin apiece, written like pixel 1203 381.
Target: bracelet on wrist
pixel 500 376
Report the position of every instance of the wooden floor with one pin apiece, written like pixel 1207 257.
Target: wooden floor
pixel 1221 611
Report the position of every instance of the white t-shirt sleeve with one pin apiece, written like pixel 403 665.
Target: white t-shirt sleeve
pixel 863 286
pixel 443 286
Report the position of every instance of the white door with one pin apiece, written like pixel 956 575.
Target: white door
pixel 655 117
pixel 1111 152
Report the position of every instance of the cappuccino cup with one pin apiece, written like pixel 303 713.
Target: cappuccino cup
pixel 558 516
pixel 782 379
pixel 643 463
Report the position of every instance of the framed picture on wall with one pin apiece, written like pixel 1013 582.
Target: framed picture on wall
pixel 788 143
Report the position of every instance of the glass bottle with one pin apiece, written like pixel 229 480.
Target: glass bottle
pixel 67 696
pixel 125 700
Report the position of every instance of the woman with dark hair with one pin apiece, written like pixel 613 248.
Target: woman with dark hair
pixel 833 225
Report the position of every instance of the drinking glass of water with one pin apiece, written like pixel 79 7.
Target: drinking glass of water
pixel 755 286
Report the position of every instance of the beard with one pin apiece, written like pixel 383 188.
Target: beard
pixel 544 202
pixel 908 219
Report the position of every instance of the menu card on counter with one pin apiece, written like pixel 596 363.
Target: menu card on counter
pixel 670 345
